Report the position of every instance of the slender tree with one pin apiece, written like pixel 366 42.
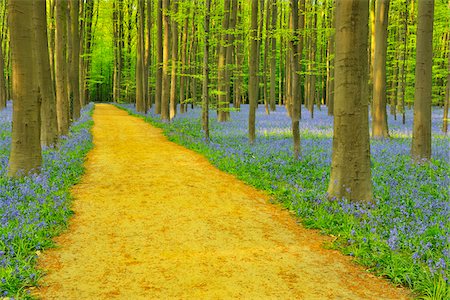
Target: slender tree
pixel 165 94
pixel 159 61
pixel 25 154
pixel 253 69
pixel 205 91
pixel 2 77
pixel 140 86
pixel 350 166
pixel 74 80
pixel 273 54
pixel 49 122
pixel 421 140
pixel 173 76
pixel 62 99
pixel 296 51
pixel 379 122
pixel 222 104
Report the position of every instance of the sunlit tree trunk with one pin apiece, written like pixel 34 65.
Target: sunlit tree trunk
pixel 89 13
pixel 295 69
pixel 253 69
pixel 62 98
pixel 2 78
pixel 25 156
pixel 140 92
pixel 173 76
pixel 74 80
pixel 159 60
pixel 273 56
pixel 379 121
pixel 148 57
pixel 421 140
pixel 221 66
pixel 350 167
pixel 184 41
pixel 205 91
pixel 330 65
pixel 49 123
pixel 447 101
pixel 165 94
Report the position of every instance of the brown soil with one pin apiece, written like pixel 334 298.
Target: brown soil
pixel 154 220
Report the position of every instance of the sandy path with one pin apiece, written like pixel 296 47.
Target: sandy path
pixel 156 221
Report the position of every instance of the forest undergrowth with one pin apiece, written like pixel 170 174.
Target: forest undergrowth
pixel 36 208
pixel 402 235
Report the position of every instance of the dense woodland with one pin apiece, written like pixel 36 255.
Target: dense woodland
pixel 361 62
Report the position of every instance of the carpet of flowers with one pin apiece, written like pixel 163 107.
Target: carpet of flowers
pixel 36 208
pixel 403 235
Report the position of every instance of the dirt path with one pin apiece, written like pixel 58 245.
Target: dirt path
pixel 156 221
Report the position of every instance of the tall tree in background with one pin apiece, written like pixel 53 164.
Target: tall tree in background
pixel 49 122
pixel 173 75
pixel 296 50
pixel 222 104
pixel 273 55
pixel 447 100
pixel 74 80
pixel 2 77
pixel 159 60
pixel 379 121
pixel 25 154
pixel 421 140
pixel 140 93
pixel 205 91
pixel 165 62
pixel 62 99
pixel 350 166
pixel 253 70
pixel 89 14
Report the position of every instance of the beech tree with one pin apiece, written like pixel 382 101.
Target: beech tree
pixel 350 167
pixel 140 86
pixel 379 121
pixel 253 69
pixel 205 88
pixel 62 99
pixel 25 156
pixel 49 122
pixel 421 140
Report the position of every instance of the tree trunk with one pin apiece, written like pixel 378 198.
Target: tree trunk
pixel 159 47
pixel 62 99
pixel 297 19
pixel 421 140
pixel 379 121
pixel 330 67
pixel 253 69
pixel 447 101
pixel 165 66
pixel 140 92
pixel 223 116
pixel 74 82
pixel 184 41
pixel 49 122
pixel 273 56
pixel 148 57
pixel 2 78
pixel 173 84
pixel 87 49
pixel 25 154
pixel 205 92
pixel 350 167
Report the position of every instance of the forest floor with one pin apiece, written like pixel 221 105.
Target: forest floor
pixel 154 220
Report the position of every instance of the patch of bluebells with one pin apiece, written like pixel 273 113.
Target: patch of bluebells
pixel 404 234
pixel 36 208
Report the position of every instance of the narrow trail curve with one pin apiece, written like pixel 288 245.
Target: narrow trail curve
pixel 154 220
